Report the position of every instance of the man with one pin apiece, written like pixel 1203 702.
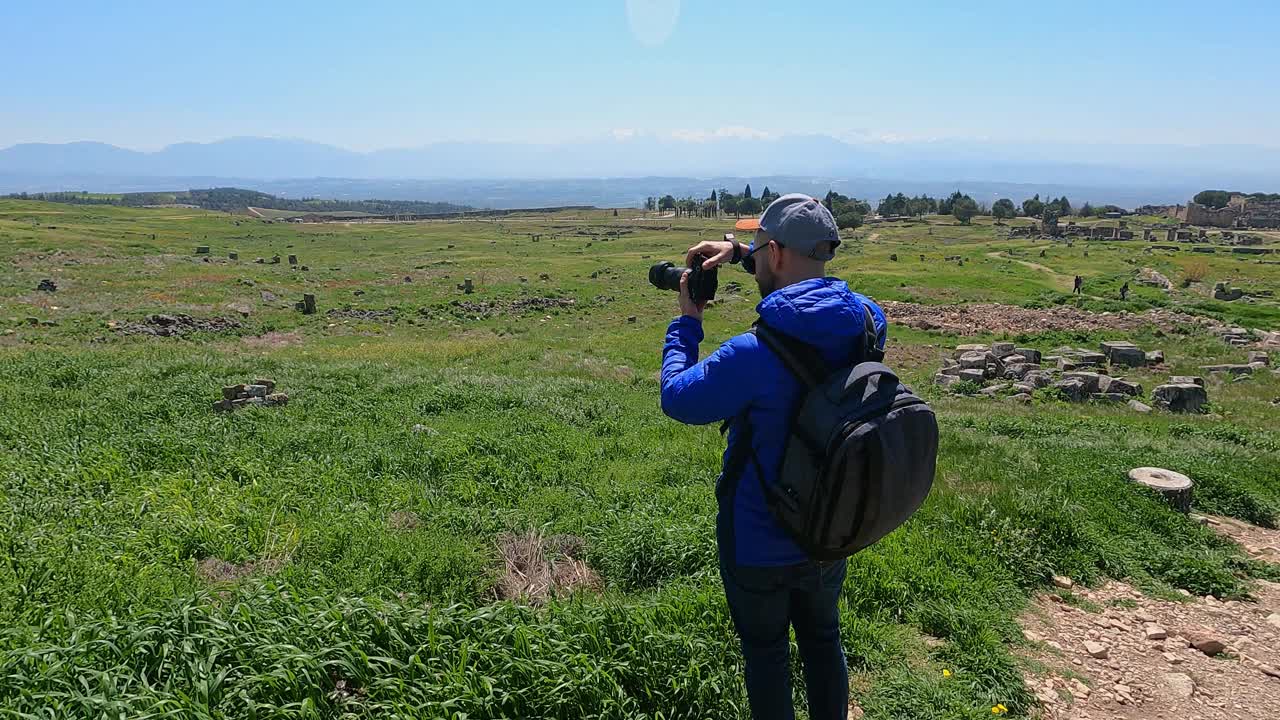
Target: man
pixel 1079 282
pixel 769 581
pixel 1124 290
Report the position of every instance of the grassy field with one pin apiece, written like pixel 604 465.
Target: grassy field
pixel 338 556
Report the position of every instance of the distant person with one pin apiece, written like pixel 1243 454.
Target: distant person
pixel 1124 291
pixel 1079 284
pixel 770 582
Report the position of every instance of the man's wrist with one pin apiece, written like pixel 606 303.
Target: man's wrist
pixel 737 253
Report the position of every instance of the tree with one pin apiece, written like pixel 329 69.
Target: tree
pixel 667 203
pixel 849 220
pixel 922 205
pixel 749 205
pixel 1213 198
pixel 713 196
pixel 1003 209
pixel 1033 207
pixel 963 209
pixel 768 196
pixel 729 203
pixel 1060 207
pixel 746 194
pixel 1086 210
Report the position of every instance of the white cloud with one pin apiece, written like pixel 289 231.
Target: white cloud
pixel 737 132
pixel 623 133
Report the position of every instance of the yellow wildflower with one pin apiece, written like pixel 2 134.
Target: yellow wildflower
pixel 999 709
pixel 946 673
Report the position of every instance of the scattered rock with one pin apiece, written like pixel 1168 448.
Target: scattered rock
pixel 47 285
pixel 1138 406
pixel 1074 389
pixel 1148 276
pixel 1233 369
pixel 1153 631
pixel 1063 582
pixel 1179 684
pixel 1123 352
pixel 160 325
pixel 1097 649
pixel 1183 397
pixel 1205 643
pixel 1124 387
pixel 259 392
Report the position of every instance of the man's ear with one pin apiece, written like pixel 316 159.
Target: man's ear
pixel 776 259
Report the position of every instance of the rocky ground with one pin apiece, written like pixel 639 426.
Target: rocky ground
pixel 979 318
pixel 1141 658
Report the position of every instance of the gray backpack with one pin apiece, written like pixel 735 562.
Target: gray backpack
pixel 860 455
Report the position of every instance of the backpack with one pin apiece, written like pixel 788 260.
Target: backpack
pixel 860 454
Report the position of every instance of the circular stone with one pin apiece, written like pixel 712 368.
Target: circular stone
pixel 1160 479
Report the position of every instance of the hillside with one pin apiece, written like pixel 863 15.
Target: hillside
pixel 236 200
pixel 471 503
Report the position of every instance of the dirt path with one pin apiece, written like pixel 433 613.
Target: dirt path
pixel 1066 281
pixel 1139 658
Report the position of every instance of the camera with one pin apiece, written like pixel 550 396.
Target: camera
pixel 702 283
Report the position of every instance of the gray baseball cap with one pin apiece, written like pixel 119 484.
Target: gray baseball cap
pixel 798 222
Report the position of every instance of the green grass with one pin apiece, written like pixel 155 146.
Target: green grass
pixel 118 478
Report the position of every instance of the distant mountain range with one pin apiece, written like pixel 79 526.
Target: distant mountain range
pixel 616 170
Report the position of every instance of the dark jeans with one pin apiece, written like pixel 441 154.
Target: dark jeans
pixel 764 601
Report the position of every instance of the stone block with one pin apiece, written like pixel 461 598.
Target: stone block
pixel 972 375
pixel 1092 381
pixel 1031 354
pixel 1124 387
pixel 1183 398
pixel 1074 389
pixel 1000 349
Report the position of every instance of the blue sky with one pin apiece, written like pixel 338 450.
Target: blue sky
pixel 395 74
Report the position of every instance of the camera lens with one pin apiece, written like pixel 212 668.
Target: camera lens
pixel 665 276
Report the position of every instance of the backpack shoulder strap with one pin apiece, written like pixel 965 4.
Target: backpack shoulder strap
pixel 802 359
pixel 873 352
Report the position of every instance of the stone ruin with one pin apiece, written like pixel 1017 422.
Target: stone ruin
pixel 259 392
pixel 1222 292
pixel 1258 362
pixel 1078 375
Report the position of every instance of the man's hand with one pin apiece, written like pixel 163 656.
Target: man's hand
pixel 687 306
pixel 714 253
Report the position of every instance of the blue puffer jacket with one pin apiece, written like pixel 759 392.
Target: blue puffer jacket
pixel 743 374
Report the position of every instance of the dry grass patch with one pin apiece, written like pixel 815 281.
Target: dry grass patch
pixel 536 568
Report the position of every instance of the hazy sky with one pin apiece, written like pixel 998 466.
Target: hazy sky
pixel 392 74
